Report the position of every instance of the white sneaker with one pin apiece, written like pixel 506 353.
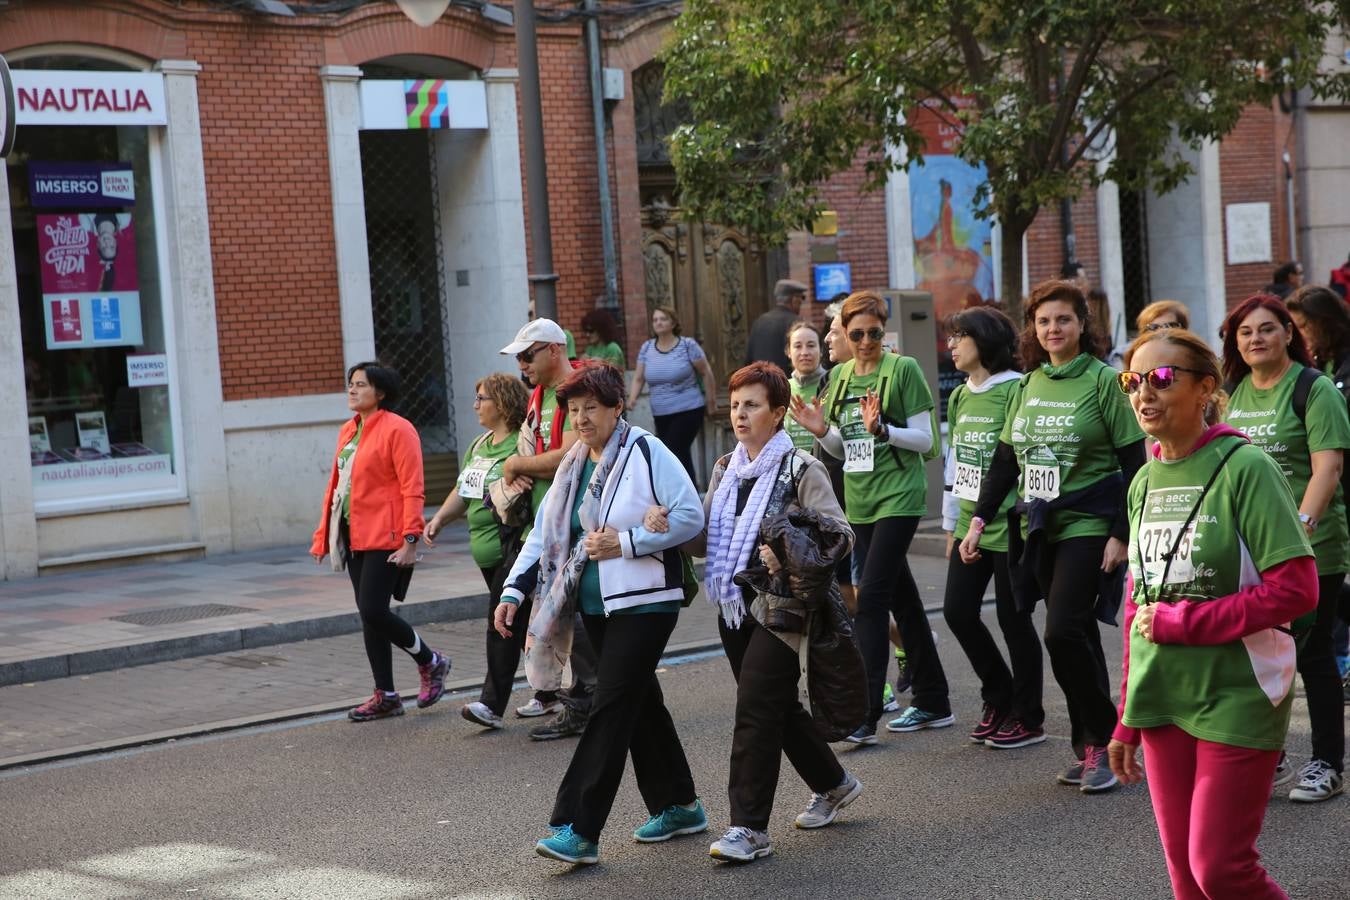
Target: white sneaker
pixel 479 714
pixel 1284 771
pixel 741 844
pixel 824 807
pixel 534 709
pixel 1317 781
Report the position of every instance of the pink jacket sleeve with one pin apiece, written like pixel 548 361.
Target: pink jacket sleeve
pixel 1287 591
pixel 1124 733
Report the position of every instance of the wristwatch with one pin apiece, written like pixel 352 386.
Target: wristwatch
pixel 1308 521
pixel 410 538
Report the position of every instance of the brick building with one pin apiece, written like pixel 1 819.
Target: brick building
pixel 291 213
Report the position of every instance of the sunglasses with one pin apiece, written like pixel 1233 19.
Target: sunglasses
pixel 1159 326
pixel 1160 379
pixel 874 334
pixel 527 356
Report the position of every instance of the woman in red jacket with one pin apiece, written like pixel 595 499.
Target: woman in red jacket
pixel 372 520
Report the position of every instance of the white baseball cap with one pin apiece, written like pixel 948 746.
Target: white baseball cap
pixel 540 331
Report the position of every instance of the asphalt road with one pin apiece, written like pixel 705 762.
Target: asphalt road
pixel 425 806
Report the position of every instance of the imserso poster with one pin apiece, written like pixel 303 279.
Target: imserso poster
pixel 90 287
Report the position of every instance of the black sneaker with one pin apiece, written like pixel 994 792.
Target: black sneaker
pixel 566 724
pixel 990 720
pixel 866 735
pixel 1013 734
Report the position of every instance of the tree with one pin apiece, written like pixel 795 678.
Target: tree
pixel 785 93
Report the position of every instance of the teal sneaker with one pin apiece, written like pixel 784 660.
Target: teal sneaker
pixel 567 846
pixel 672 822
pixel 915 719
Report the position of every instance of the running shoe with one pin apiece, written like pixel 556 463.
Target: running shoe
pixel 889 703
pixel 1073 775
pixel 565 724
pixel 866 735
pixel 480 714
pixel 565 845
pixel 904 679
pixel 741 844
pixel 1317 781
pixel 1097 774
pixel 1284 771
pixel 915 719
pixel 990 720
pixel 1013 734
pixel 379 706
pixel 672 821
pixel 824 807
pixel 535 708
pixel 433 680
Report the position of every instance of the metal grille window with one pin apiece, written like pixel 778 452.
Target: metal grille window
pixel 407 280
pixel 1134 255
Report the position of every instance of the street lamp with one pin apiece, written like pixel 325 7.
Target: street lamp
pixel 426 13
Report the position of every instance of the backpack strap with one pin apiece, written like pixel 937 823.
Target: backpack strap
pixel 1303 387
pixel 838 388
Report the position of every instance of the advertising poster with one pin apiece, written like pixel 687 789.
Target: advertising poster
pixel 64 185
pixel 92 428
pixel 90 288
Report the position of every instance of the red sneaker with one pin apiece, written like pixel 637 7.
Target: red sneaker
pixel 433 680
pixel 379 706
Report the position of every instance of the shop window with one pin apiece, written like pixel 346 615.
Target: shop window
pixel 91 310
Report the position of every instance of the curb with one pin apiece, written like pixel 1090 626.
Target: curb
pixel 86 662
pixel 303 712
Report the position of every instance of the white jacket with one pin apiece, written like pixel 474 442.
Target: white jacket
pixel 646 573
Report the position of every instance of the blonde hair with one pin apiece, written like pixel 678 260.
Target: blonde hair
pixel 1159 308
pixel 1198 357
pixel 510 396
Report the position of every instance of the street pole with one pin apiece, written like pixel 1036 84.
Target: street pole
pixel 544 279
pixel 592 7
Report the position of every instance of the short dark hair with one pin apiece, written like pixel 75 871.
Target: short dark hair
pixel 765 373
pixel 602 323
pixel 1284 272
pixel 1033 354
pixel 1326 312
pixel 1235 368
pixel 105 217
pixel 593 378
pixel 796 327
pixel 383 379
pixel 994 336
pixel 670 313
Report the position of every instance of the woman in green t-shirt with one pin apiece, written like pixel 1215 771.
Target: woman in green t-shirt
pixel 603 338
pixel 500 401
pixel 1070 445
pixel 1219 567
pixel 806 378
pixel 878 418
pixel 1266 361
pixel 983 345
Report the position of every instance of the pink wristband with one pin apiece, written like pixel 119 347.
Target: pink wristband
pixel 977 525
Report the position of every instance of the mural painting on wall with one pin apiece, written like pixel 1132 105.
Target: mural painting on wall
pixel 953 247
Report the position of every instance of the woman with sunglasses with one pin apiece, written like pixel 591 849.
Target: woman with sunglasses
pixel 1218 568
pixel 1265 359
pixel 1070 446
pixel 983 345
pixel 878 417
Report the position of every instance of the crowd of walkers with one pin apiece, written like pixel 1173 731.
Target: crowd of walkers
pixel 1196 501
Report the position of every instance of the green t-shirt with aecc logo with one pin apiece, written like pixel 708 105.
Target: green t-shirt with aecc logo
pixel 897 484
pixel 801 438
pixel 1267 417
pixel 974 423
pixel 1241 692
pixel 482 467
pixel 1065 424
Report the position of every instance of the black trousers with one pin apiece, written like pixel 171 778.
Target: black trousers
pixel 585 668
pixel 887 589
pixel 677 431
pixel 1069 573
pixel 1015 693
pixel 628 717
pixel 373 579
pixel 1321 678
pixel 770 721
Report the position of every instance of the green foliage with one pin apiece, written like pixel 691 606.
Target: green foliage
pixel 785 93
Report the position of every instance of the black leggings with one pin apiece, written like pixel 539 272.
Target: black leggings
pixel 887 589
pixel 628 717
pixel 373 578
pixel 677 431
pixel 770 722
pixel 1016 693
pixel 1069 574
pixel 1321 679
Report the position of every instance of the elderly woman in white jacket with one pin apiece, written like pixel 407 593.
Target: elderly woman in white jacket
pixel 594 555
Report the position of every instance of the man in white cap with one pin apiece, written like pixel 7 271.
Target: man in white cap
pixel 540 349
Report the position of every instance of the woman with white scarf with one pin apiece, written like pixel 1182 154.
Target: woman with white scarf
pixel 594 555
pixel 763 637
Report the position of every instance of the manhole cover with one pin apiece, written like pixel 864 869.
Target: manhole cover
pixel 171 614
